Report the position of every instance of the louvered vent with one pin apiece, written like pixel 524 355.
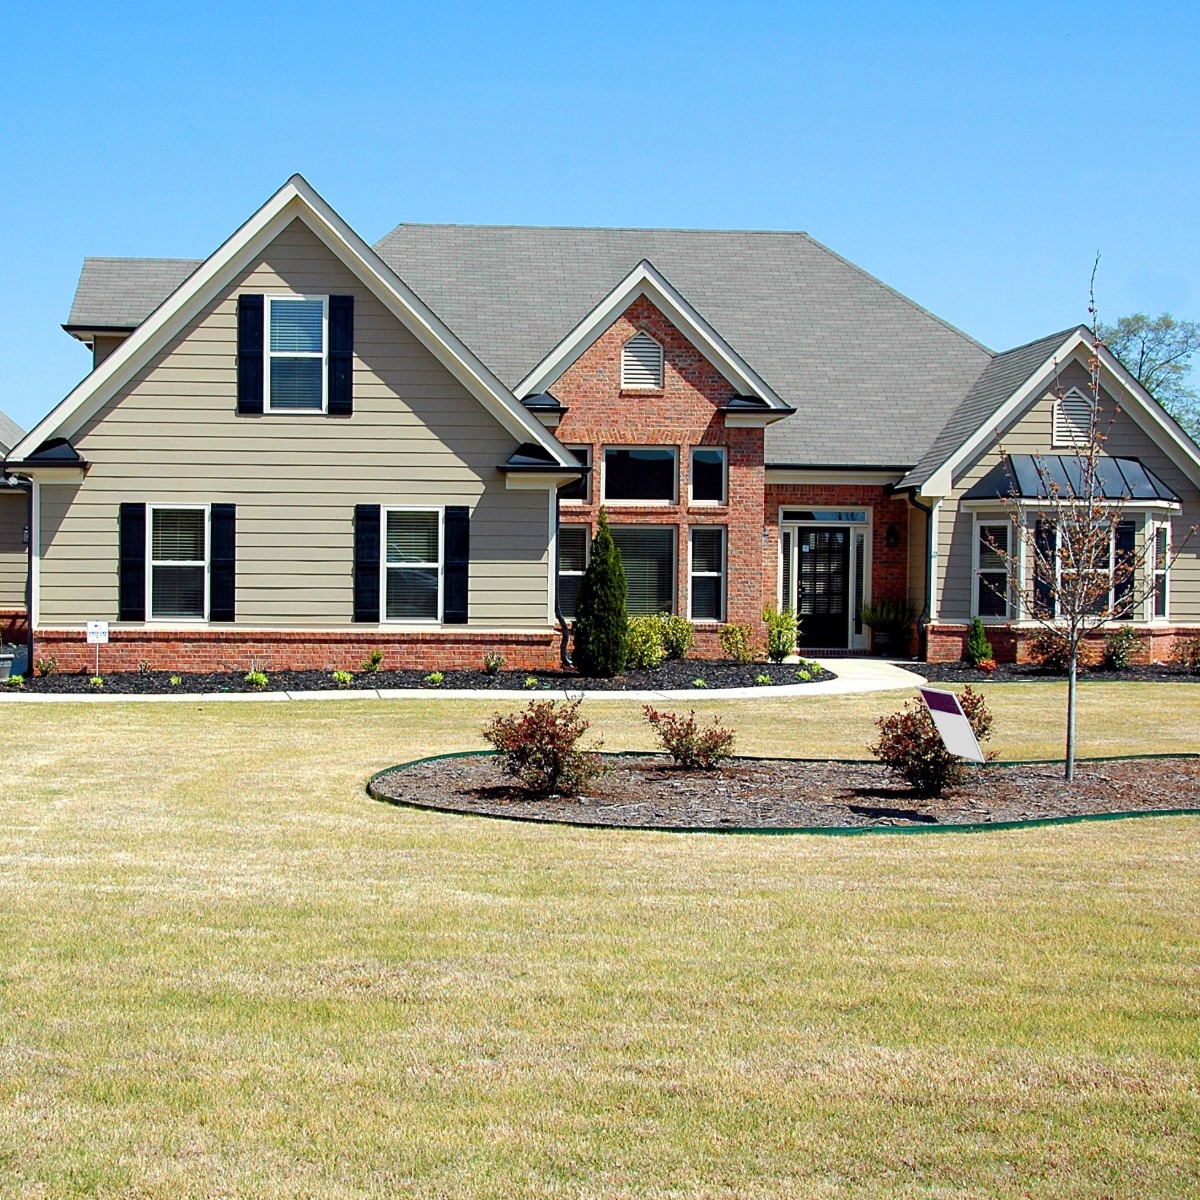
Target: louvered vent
pixel 1073 419
pixel 641 362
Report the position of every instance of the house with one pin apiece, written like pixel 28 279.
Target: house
pixel 304 447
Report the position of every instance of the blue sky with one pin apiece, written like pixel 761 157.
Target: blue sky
pixel 975 156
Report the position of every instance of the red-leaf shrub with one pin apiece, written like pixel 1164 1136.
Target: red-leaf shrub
pixel 909 744
pixel 687 743
pixel 540 747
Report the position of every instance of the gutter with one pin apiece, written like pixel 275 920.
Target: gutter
pixel 564 656
pixel 923 618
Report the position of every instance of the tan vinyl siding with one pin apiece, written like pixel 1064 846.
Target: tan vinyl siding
pixel 1031 434
pixel 14 554
pixel 417 437
pixel 917 573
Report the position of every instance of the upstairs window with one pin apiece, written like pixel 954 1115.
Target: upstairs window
pixel 295 362
pixel 581 489
pixel 708 475
pixel 1072 420
pixel 640 474
pixel 641 363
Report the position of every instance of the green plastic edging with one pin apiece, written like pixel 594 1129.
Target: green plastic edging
pixel 776 830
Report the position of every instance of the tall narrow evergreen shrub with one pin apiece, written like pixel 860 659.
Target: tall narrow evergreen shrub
pixel 978 647
pixel 601 625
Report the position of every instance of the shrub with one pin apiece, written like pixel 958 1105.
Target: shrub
pixel 978 647
pixel 807 670
pixel 737 642
pixel 601 624
pixel 176 680
pixel 96 681
pixel 256 679
pixel 531 681
pixel 678 635
pixel 782 629
pixel 374 661
pixel 986 665
pixel 435 679
pixel 1186 654
pixel 144 668
pixel 1048 650
pixel 16 681
pixel 699 683
pixel 493 662
pixel 540 747
pixel 909 744
pixel 887 617
pixel 342 678
pixel 1119 648
pixel 46 666
pixel 762 680
pixel 690 745
pixel 644 642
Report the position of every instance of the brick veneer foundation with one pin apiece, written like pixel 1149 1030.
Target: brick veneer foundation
pixel 14 625
pixel 947 642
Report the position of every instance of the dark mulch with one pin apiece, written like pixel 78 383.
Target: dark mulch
pixel 669 675
pixel 961 672
pixel 646 791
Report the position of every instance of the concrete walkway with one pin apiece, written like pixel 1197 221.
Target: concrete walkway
pixel 853 675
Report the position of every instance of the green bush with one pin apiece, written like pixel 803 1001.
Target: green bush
pixel 435 679
pixel 16 681
pixel 531 681
pixel 374 661
pixel 1119 648
pixel 738 642
pixel 678 635
pixel 493 662
pixel 782 630
pixel 762 680
pixel 176 680
pixel 601 624
pixel 342 678
pixel 644 642
pixel 256 679
pixel 96 681
pixel 978 649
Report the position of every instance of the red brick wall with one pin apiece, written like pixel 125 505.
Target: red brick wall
pixel 682 415
pixel 947 642
pixel 235 650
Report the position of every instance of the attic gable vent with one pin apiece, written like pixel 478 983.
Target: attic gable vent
pixel 1073 419
pixel 641 362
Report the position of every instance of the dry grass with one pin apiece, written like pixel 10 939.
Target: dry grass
pixel 224 971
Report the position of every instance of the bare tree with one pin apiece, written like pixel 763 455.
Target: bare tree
pixel 1077 562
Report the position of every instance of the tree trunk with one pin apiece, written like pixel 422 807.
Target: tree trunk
pixel 1072 663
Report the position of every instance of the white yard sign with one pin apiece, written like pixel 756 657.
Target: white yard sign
pixel 951 722
pixel 97 633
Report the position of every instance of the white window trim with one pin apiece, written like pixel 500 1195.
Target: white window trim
pixel 1059 423
pixel 982 519
pixel 724 501
pixel 604 497
pixel 723 574
pixel 626 386
pixel 1151 531
pixel 587 479
pixel 587 552
pixel 1028 581
pixel 674 532
pixel 270 299
pixel 385 566
pixel 151 562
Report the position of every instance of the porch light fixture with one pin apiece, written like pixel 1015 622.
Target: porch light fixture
pixel 891 539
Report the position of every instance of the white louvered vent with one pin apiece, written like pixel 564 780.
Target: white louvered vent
pixel 1073 419
pixel 641 362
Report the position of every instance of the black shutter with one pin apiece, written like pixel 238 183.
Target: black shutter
pixel 1045 543
pixel 222 562
pixel 366 562
pixel 131 602
pixel 458 564
pixel 250 354
pixel 341 356
pixel 1123 570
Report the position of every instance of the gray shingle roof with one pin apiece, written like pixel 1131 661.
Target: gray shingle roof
pixel 872 375
pixel 1002 376
pixel 120 293
pixel 10 434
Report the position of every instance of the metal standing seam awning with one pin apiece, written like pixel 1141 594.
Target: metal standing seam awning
pixel 1062 476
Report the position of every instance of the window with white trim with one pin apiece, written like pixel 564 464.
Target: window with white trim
pixel 297 345
pixel 178 564
pixel 707 573
pixel 1161 565
pixel 1072 419
pixel 993 545
pixel 642 363
pixel 708 475
pixel 574 547
pixel 648 556
pixel 412 564
pixel 640 474
pixel 1105 584
pixel 581 489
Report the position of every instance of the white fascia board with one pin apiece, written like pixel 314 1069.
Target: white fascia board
pixel 646 280
pixel 516 481
pixel 296 199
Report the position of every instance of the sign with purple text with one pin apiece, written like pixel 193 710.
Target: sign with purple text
pixel 951 722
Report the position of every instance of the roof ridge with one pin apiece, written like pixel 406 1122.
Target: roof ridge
pixel 140 258
pixel 593 228
pixel 1049 337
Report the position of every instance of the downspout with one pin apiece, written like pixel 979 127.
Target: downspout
pixel 923 619
pixel 564 656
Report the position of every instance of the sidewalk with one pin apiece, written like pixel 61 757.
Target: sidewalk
pixel 853 675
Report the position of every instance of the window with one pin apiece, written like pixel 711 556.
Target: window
pixel 412 565
pixel 708 475
pixel 1105 585
pixel 179 564
pixel 1161 565
pixel 295 359
pixel 991 575
pixel 707 573
pixel 641 363
pixel 581 489
pixel 1072 419
pixel 574 546
pixel 644 474
pixel 648 555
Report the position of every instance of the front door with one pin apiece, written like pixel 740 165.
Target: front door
pixel 823 587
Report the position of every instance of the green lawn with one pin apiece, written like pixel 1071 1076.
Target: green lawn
pixel 226 972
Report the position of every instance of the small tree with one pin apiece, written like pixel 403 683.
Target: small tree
pixel 601 626
pixel 1158 353
pixel 979 649
pixel 1083 565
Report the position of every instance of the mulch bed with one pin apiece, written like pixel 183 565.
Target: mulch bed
pixel 668 675
pixel 647 791
pixel 962 672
